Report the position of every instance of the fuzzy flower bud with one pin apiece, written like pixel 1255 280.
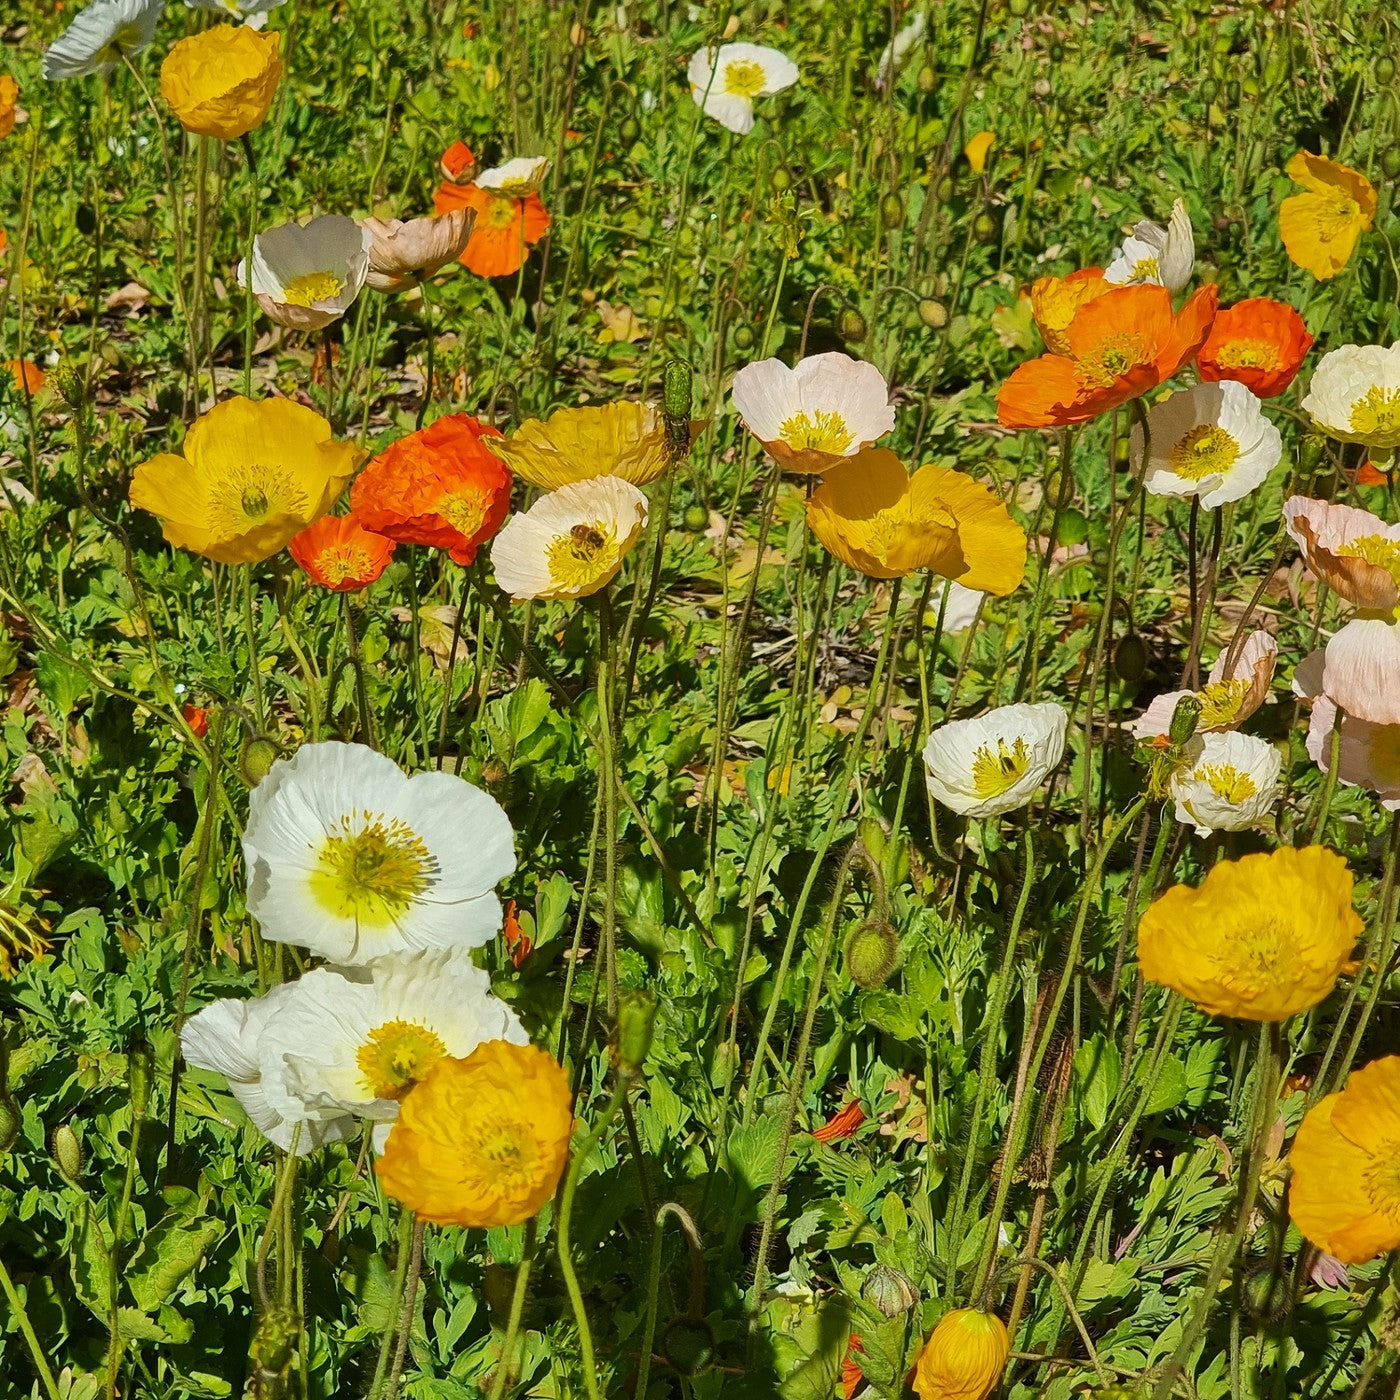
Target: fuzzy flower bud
pixel 1185 718
pixel 258 756
pixel 140 1068
pixel 871 953
pixel 963 1358
pixel 889 1291
pixel 67 1153
pixel 636 1019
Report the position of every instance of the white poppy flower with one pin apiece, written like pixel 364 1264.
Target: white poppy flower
pixel 1233 691
pixel 1354 395
pixel 897 50
pixel 350 857
pixel 809 417
pixel 992 764
pixel 570 543
pixel 228 1037
pixel 100 35
pixel 1228 782
pixel 1152 253
pixel 1211 441
pixel 358 1041
pixel 725 81
pixel 306 275
pixel 959 612
pixel 516 178
pixel 253 13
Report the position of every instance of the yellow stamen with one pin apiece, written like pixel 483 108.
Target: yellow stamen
pixel 372 874
pixel 744 78
pixel 310 288
pixel 816 432
pixel 396 1056
pixel 993 773
pixel 1205 451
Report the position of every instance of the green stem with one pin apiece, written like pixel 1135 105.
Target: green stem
pixel 250 625
pixel 386 1342
pixel 504 1368
pixel 36 1352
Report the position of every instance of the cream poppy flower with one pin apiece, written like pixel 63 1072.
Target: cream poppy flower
pixel 1233 691
pixel 253 13
pixel 306 275
pixel 724 82
pixel 1152 253
pixel 570 543
pixel 516 179
pixel 100 36
pixel 809 417
pixel 959 612
pixel 358 1041
pixel 1368 755
pixel 227 1037
pixel 1354 395
pixel 1227 783
pixel 350 857
pixel 402 252
pixel 897 50
pixel 1211 441
pixel 995 763
pixel 1355 553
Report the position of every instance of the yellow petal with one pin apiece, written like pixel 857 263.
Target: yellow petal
pixel 977 150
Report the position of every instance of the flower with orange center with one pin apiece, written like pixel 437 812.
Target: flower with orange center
pixel 1055 300
pixel 1320 228
pixel 1259 342
pixel 439 487
pixel 963 1358
pixel 1117 347
pixel 510 217
pixel 340 554
pixel 481 1141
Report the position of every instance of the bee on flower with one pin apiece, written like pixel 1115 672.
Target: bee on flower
pixel 996 762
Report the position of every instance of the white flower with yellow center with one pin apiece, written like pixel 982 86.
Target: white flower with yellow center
pixel 516 179
pixel 1236 687
pixel 1151 253
pixel 1355 395
pixel 100 36
pixel 995 763
pixel 358 1041
pixel 1227 783
pixel 809 417
pixel 726 80
pixel 1211 441
pixel 570 543
pixel 307 275
pixel 228 1037
pixel 350 857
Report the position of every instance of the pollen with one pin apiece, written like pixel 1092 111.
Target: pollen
pixel 1376 413
pixel 581 557
pixel 465 510
pixel 372 870
pixel 1221 702
pixel 312 287
pixel 1382 1179
pixel 994 771
pixel 1227 782
pixel 342 562
pixel 1207 450
pixel 1248 354
pixel 248 495
pixel 817 432
pixel 1374 549
pixel 744 78
pixel 396 1056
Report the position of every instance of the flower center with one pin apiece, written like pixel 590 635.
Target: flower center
pixel 1377 413
pixel 994 771
pixel 500 212
pixel 504 1150
pixel 1382 1179
pixel 249 495
pixel 1227 782
pixel 1254 954
pixel 374 874
pixel 817 432
pixel 465 510
pixel 582 556
pixel 744 78
pixel 396 1056
pixel 1220 703
pixel 1112 358
pixel 1145 270
pixel 310 288
pixel 1374 549
pixel 1248 354
pixel 1207 450
pixel 343 562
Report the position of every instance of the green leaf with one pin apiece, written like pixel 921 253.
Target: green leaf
pixel 894 1014
pixel 753 1151
pixel 1098 1070
pixel 168 1255
pixel 1170 1087
pixel 92 1263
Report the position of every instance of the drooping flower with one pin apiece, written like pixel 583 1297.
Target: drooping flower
pixel 220 81
pixel 570 543
pixel 252 476
pixel 1355 553
pixel 1056 300
pixel 438 487
pixel 811 416
pixel 306 275
pixel 1151 253
pixel 1368 754
pixel 100 36
pixel 1228 782
pixel 963 1358
pixel 359 1042
pixel 1345 1193
pixel 996 762
pixel 353 859
pixel 1235 688
pixel 1258 342
pixel 458 164
pixel 226 1037
pixel 403 252
pixel 1354 395
pixel 873 516
pixel 725 81
pixel 1320 228
pixel 510 217
pixel 842 1124
pixel 481 1141
pixel 621 439
pixel 338 553
pixel 1263 938
pixel 1118 346
pixel 9 100
pixel 1211 441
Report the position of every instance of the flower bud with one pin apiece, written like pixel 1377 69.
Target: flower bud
pixel 140 1068
pixel 258 756
pixel 743 337
pixel 850 325
pixel 630 131
pixel 889 1291
pixel 871 953
pixel 964 1356
pixel 9 1123
pixel 945 190
pixel 69 383
pixel 926 79
pixel 780 179
pixel 688 1346
pixel 696 519
pixel 275 1342
pixel 1130 658
pixel 1390 162
pixel 1185 718
pixel 985 228
pixel 67 1152
pixel 892 211
pixel 636 1019
pixel 933 313
pixel 1385 69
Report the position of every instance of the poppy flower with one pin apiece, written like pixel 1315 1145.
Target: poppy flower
pixel 439 487
pixel 403 252
pixel 221 81
pixel 851 1374
pixel 1056 300
pixel 27 376
pixel 1261 343
pixel 458 164
pixel 1354 395
pixel 573 444
pixel 1229 782
pixel 1234 690
pixel 9 96
pixel 1151 253
pixel 101 36
pixel 842 1124
pixel 197 717
pixel 338 553
pixel 1118 346
pixel 725 81
pixel 519 944
pixel 510 217
pixel 963 1358
pixel 306 275
pixel 1320 228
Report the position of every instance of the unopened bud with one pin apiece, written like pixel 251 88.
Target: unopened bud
pixel 926 78
pixel 889 1291
pixel 743 337
pixel 67 1153
pixel 850 325
pixel 1185 718
pixel 69 384
pixel 933 314
pixel 780 179
pixel 9 1123
pixel 275 1342
pixel 985 228
pixel 494 772
pixel 257 758
pixel 578 35
pixel 636 1019
pixel 892 211
pixel 630 130
pixel 696 519
pixel 140 1068
pixel 1390 162
pixel 871 953
pixel 1130 658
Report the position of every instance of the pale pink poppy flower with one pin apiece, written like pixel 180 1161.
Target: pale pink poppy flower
pixel 1368 755
pixel 1327 1271
pixel 402 252
pixel 1233 691
pixel 1352 551
pixel 1361 670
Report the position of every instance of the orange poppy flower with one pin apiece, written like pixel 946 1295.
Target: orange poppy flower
pixel 506 228
pixel 340 554
pixel 851 1374
pixel 1055 300
pixel 1260 342
pixel 518 942
pixel 439 486
pixel 197 717
pixel 1118 346
pixel 9 96
pixel 458 164
pixel 842 1124
pixel 28 377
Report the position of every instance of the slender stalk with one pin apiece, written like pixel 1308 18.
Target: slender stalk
pixel 407 1223
pixel 21 1316
pixel 250 626
pixel 505 1367
pixel 608 779
pixel 410 1297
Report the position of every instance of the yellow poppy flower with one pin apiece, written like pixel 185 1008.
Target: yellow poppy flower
pixel 1263 938
pixel 481 1141
pixel 627 440
pixel 1320 228
pixel 872 515
pixel 252 476
pixel 978 149
pixel 963 1358
pixel 1056 300
pixel 1345 1196
pixel 220 82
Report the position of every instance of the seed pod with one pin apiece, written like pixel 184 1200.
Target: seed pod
pixel 780 180
pixel 1072 527
pixel 743 338
pixel 851 325
pixel 696 520
pixel 985 228
pixel 675 402
pixel 892 211
pixel 67 1153
pixel 258 756
pixel 630 131
pixel 926 79
pixel 1390 162
pixel 688 1346
pixel 1385 69
pixel 1130 658
pixel 1185 718
pixel 889 1291
pixel 140 1069
pixel 933 313
pixel 944 193
pixel 636 1020
pixel 872 951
